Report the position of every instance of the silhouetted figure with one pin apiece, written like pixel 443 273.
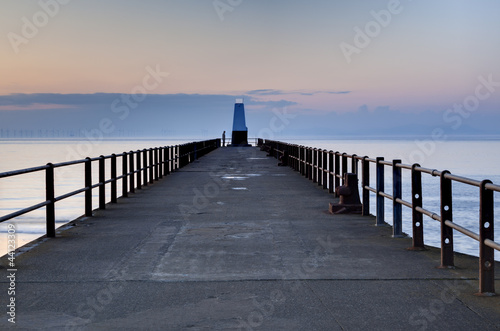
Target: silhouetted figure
pixel 224 139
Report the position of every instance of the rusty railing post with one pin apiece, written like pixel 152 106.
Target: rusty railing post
pixel 447 258
pixel 380 188
pixel 50 210
pixel 486 231
pixel 417 217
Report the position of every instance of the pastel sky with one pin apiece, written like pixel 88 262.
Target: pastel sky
pixel 422 55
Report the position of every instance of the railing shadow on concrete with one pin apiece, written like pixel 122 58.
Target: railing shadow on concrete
pixel 138 169
pixel 327 169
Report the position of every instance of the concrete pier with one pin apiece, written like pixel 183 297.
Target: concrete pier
pixel 234 242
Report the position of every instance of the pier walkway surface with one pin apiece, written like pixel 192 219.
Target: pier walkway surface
pixel 233 241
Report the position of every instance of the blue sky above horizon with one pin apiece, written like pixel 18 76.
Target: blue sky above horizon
pixel 65 63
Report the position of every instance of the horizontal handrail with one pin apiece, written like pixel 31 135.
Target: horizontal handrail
pixel 70 194
pixel 24 211
pixel 462 230
pixel 22 171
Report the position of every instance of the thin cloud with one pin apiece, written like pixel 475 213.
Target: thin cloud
pixel 273 104
pixel 273 92
pixel 36 106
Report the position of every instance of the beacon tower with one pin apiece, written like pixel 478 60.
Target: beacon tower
pixel 240 130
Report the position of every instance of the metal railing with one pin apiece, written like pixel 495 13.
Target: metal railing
pixel 253 141
pixel 136 166
pixel 327 168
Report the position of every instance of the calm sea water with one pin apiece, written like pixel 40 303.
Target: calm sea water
pixel 473 159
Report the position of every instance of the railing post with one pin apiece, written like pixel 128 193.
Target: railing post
pixel 380 188
pixel 302 160
pixel 365 182
pixel 337 171
pixel 320 167
pixel 155 153
pixel 325 169
pixel 305 161
pixel 172 168
pixel 176 157
pixel 145 166
pixel 124 173
pixel 50 210
pixel 180 157
pixel 296 163
pixel 132 174
pixel 167 161
pixel 161 161
pixel 114 194
pixel 397 193
pixel 138 168
pixel 486 231
pixel 447 258
pixel 417 217
pixel 344 167
pixel 331 177
pixel 102 179
pixel 88 185
pixel 354 164
pixel 151 167
pixel 309 163
pixel 315 165
pixel 297 158
pixel 294 157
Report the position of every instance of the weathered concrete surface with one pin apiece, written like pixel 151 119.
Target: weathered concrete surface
pixel 235 242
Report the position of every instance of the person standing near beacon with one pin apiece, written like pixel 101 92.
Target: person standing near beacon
pixel 224 139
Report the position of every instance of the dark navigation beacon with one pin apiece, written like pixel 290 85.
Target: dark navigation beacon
pixel 240 130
